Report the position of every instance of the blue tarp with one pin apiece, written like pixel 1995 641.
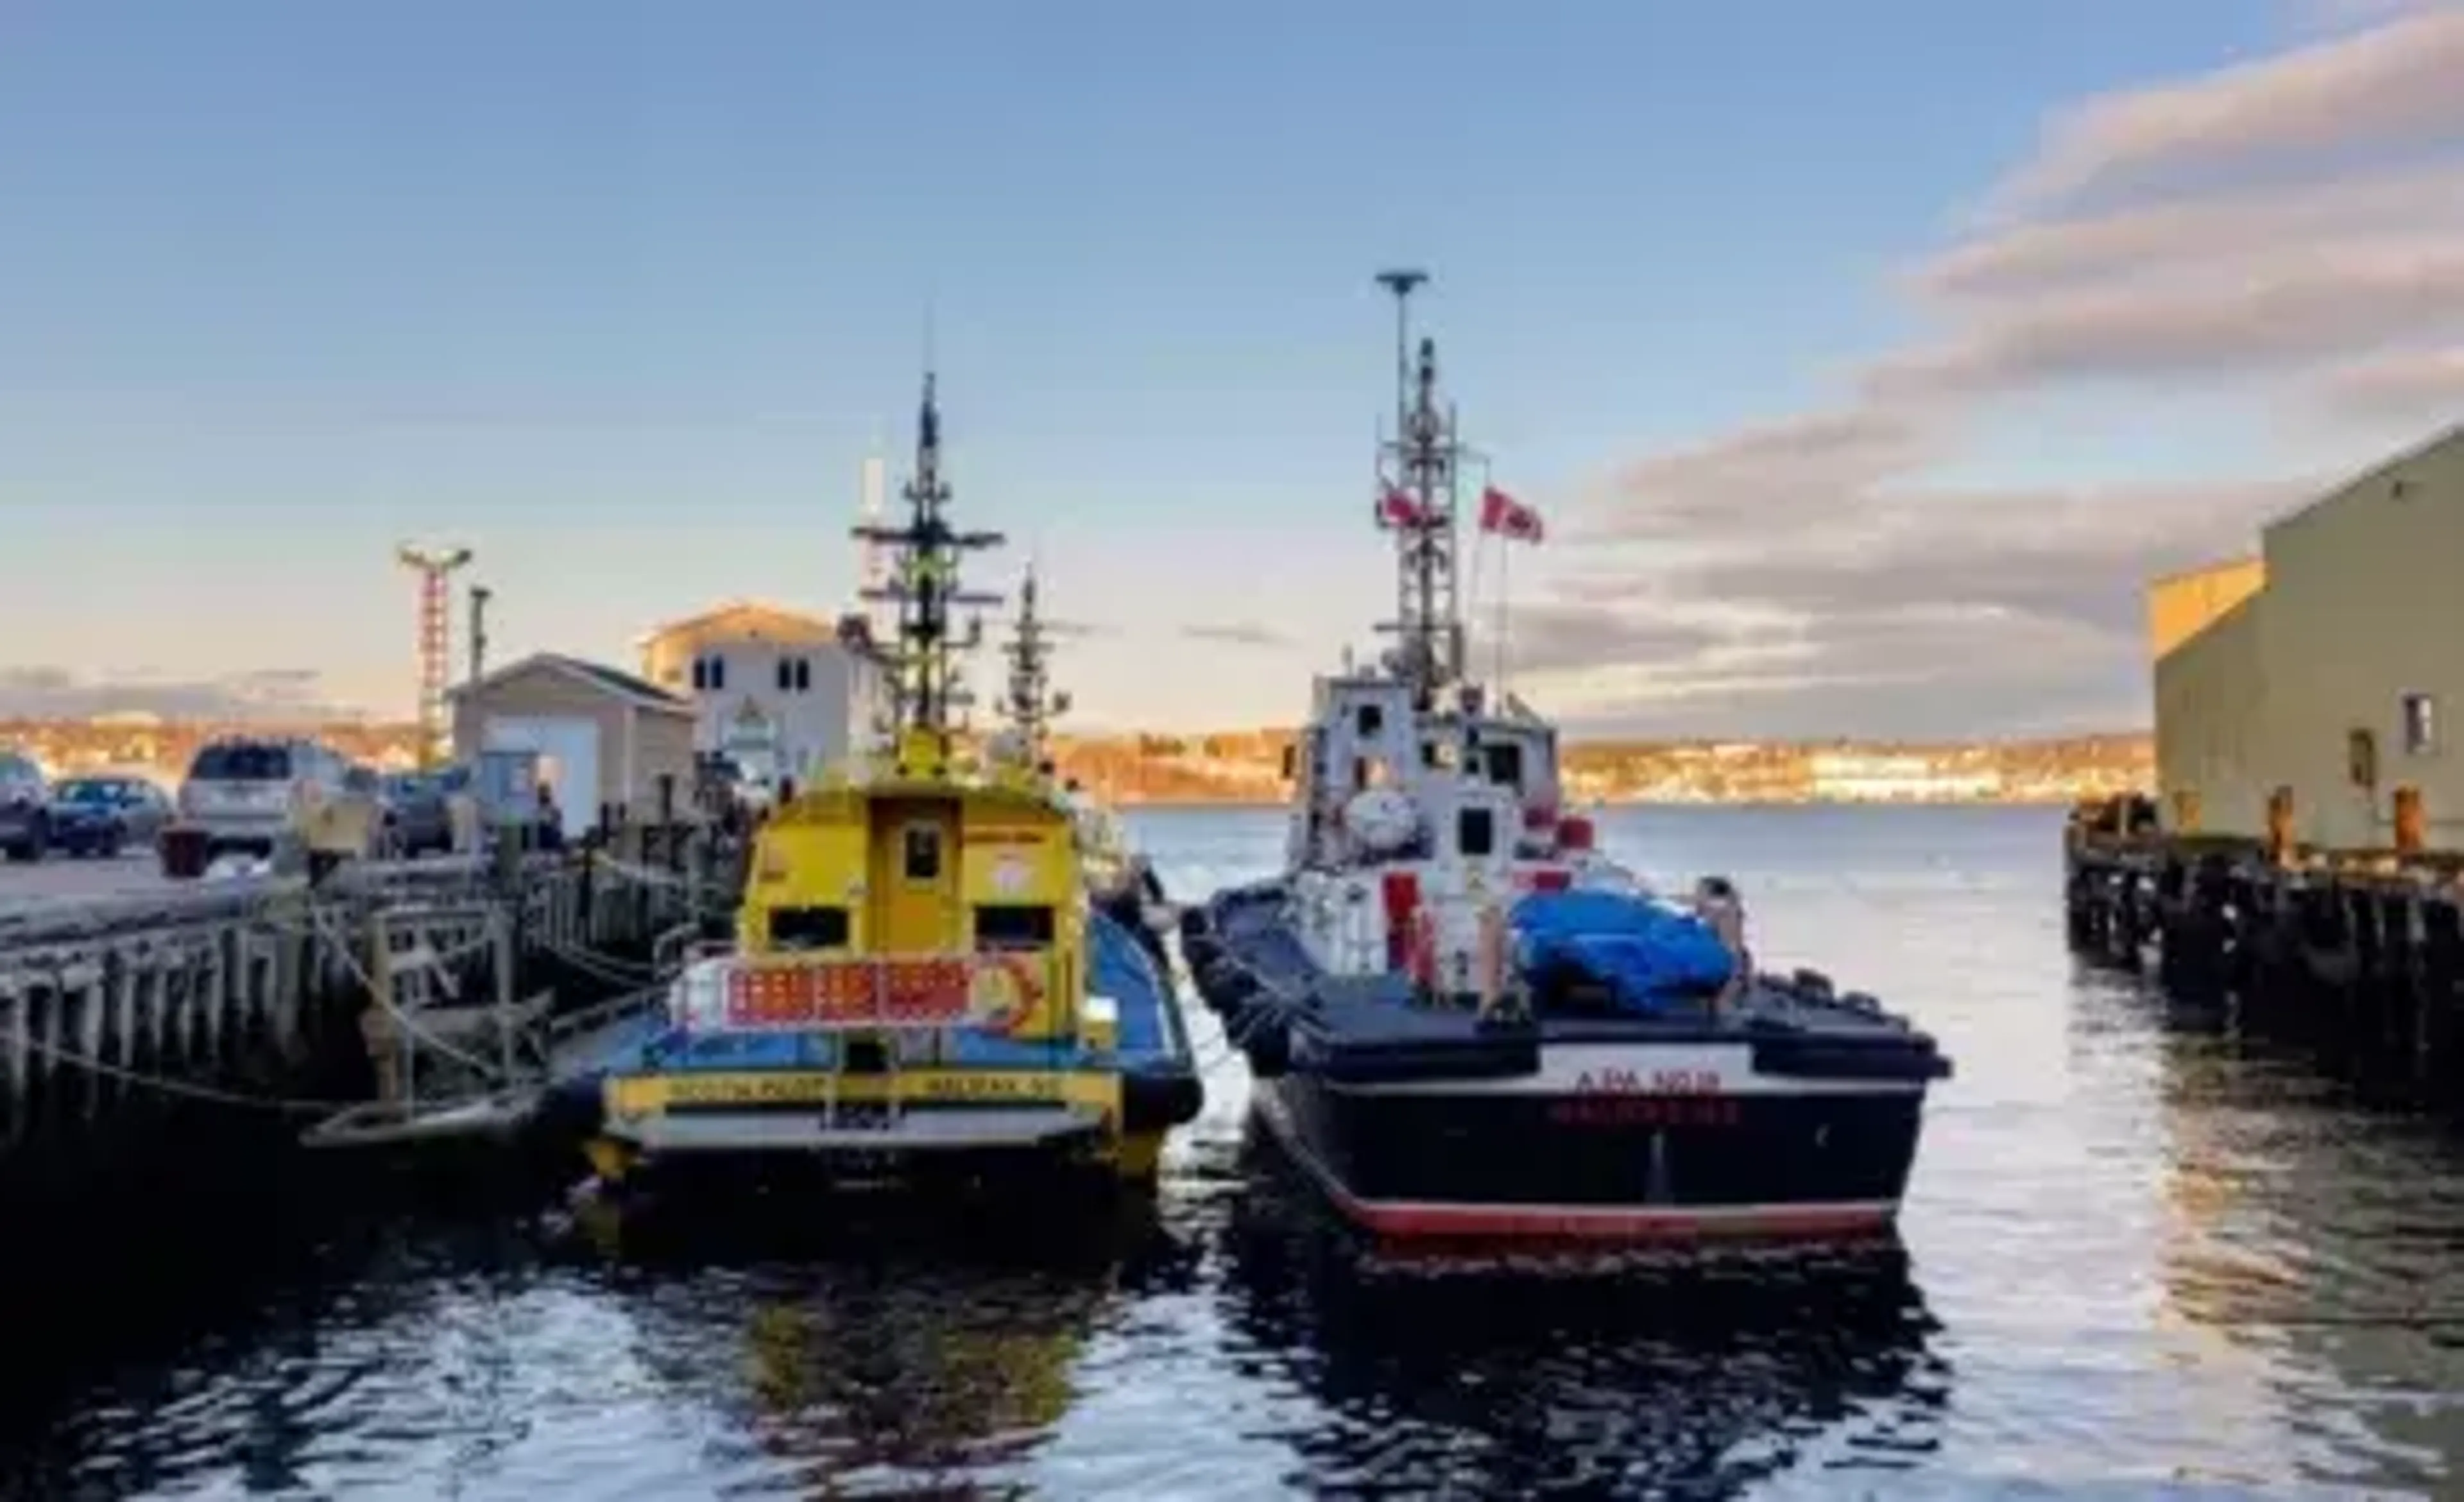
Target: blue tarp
pixel 1647 955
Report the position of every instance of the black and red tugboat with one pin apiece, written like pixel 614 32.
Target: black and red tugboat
pixel 1468 1022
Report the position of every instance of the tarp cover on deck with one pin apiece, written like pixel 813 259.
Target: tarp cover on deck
pixel 1645 954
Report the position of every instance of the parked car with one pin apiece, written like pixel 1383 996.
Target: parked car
pixel 25 806
pixel 419 810
pixel 243 793
pixel 103 815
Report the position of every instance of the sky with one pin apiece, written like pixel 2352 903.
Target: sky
pixel 1863 359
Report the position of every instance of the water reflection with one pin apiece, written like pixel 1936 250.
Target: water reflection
pixel 1704 1375
pixel 888 1342
pixel 2313 1240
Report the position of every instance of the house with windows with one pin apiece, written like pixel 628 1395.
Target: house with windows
pixel 782 691
pixel 2319 678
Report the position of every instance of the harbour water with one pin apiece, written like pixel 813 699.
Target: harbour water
pixel 2141 1256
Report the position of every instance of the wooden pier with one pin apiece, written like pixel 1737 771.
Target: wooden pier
pixel 133 1029
pixel 2357 953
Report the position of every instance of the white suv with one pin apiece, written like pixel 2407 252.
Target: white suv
pixel 25 807
pixel 246 794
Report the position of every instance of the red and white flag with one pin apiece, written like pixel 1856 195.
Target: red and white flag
pixel 1396 509
pixel 1508 517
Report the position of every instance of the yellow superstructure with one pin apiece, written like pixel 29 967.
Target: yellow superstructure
pixel 914 959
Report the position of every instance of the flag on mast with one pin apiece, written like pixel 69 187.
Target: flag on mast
pixel 1508 517
pixel 1396 509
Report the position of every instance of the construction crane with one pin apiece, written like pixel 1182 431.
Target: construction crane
pixel 435 568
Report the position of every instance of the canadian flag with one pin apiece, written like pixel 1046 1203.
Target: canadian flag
pixel 1396 509
pixel 1508 517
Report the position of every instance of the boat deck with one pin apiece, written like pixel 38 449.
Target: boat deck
pixel 1794 1024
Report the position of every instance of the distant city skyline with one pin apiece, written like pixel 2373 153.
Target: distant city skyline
pixel 1864 360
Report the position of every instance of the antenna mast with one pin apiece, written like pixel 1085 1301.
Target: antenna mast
pixel 1031 703
pixel 435 568
pixel 924 585
pixel 1418 464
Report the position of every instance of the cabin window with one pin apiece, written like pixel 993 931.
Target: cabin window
pixel 1475 832
pixel 2420 725
pixel 2362 758
pixel 1013 925
pixel 1505 763
pixel 1371 721
pixel 923 853
pixel 809 928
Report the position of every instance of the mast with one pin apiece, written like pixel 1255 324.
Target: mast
pixel 1418 464
pixel 1030 702
pixel 924 558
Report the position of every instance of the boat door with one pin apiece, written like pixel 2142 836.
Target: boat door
pixel 914 877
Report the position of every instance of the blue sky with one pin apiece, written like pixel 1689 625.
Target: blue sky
pixel 620 294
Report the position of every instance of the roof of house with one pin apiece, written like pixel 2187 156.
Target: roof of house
pixel 741 609
pixel 2377 470
pixel 641 692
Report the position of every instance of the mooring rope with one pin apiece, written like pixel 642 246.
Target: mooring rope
pixel 169 1086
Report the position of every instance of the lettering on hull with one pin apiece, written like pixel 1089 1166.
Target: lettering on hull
pixel 1647 1082
pixel 1609 1111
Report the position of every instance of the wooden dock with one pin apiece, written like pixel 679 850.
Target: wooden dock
pixel 136 1029
pixel 2361 952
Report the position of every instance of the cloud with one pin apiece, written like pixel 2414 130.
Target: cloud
pixel 2391 86
pixel 1235 634
pixel 2310 252
pixel 2415 385
pixel 2299 305
pixel 265 696
pixel 1773 472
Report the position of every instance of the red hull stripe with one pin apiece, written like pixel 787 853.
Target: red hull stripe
pixel 1404 1219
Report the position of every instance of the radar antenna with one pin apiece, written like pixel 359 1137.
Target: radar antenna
pixel 1417 475
pixel 924 558
pixel 1031 703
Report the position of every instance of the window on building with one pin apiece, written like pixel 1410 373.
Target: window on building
pixel 700 675
pixel 786 675
pixel 1475 832
pixel 1370 720
pixel 717 673
pixel 804 674
pixel 2420 725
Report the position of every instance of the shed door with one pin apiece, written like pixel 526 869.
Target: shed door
pixel 568 753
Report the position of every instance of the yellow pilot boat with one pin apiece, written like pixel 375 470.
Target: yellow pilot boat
pixel 921 977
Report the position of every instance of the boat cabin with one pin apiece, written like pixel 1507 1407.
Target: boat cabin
pixel 1408 825
pixel 901 869
pixel 1364 735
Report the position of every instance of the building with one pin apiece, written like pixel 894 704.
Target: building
pixel 2315 674
pixel 603 737
pixel 783 693
pixel 1895 777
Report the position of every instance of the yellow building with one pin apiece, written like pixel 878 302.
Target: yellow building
pixel 2321 667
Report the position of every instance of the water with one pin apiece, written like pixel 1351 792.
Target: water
pixel 2140 1257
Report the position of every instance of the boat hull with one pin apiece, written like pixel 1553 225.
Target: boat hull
pixel 1542 1160
pixel 926 1125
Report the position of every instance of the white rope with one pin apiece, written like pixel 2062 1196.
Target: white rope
pixel 488 1069
pixel 166 1085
